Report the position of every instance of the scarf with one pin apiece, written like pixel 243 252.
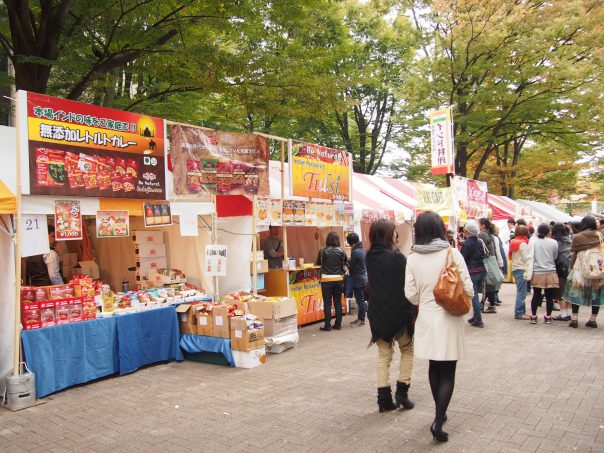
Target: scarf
pixel 516 243
pixel 434 246
pixel 585 240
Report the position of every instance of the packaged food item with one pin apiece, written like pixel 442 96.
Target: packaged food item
pixel 90 180
pixel 132 168
pixel 120 166
pixel 69 291
pixel 193 175
pixel 157 213
pixel 57 292
pixel 28 294
pixel 165 213
pixel 76 179
pixel 149 219
pixel 104 180
pixel 208 172
pixel 116 182
pixel 224 176
pixel 48 316
pixel 62 312
pixel 75 311
pixel 30 315
pixel 41 294
pixel 128 183
pixel 251 179
pixel 50 167
pixel 239 170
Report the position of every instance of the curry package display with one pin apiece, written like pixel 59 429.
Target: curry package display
pixel 206 162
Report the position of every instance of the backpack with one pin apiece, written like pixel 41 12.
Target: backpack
pixel 592 262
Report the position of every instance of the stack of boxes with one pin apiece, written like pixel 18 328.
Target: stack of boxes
pixel 261 266
pixel 280 317
pixel 150 253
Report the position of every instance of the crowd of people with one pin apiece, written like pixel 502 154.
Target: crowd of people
pixel 562 264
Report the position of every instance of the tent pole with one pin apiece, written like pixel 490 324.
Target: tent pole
pixel 214 239
pixel 285 255
pixel 254 247
pixel 17 242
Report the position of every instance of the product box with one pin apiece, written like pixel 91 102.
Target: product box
pixel 75 310
pixel 277 345
pixel 143 237
pixel 261 266
pixel 30 315
pixel 243 339
pixel 259 281
pixel 144 265
pixel 221 322
pixel 62 311
pixel 150 250
pixel 187 318
pixel 280 318
pixel 249 359
pixel 48 316
pixel 205 324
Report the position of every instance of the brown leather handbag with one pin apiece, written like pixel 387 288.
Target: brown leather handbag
pixel 449 292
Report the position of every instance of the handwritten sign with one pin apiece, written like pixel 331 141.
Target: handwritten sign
pixel 216 260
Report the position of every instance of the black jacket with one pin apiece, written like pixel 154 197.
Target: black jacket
pixel 390 313
pixel 473 253
pixel 356 266
pixel 332 261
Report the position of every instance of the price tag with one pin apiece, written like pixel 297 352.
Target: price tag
pixel 34 235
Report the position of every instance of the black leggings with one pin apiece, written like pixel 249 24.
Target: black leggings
pixel 550 293
pixel 595 309
pixel 441 374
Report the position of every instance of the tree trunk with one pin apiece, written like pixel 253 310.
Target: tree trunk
pixel 461 147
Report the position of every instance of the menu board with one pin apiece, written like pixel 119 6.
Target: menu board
pixel 289 209
pixel 207 162
pixel 68 220
pixel 84 150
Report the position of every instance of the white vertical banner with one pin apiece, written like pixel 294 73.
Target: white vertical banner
pixel 441 133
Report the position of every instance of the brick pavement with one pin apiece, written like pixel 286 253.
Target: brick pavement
pixel 521 388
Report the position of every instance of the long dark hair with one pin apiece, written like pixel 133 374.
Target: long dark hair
pixel 542 230
pixel 332 240
pixel 576 227
pixel 382 233
pixel 429 226
pixel 487 224
pixel 559 231
pixel 589 223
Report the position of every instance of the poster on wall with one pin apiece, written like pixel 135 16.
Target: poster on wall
pixel 320 209
pixel 437 199
pixel 289 210
pixel 84 150
pixel 300 213
pixel 112 224
pixel 68 220
pixel 276 212
pixel 348 217
pixel 471 195
pixel 207 162
pixel 216 260
pixel 263 211
pixel 441 134
pixel 319 172
pixel 311 214
pixel 157 213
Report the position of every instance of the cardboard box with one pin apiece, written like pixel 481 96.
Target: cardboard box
pixel 187 318
pixel 259 281
pixel 281 326
pixel 221 322
pixel 249 359
pixel 144 237
pixel 62 311
pixel 75 310
pixel 261 266
pixel 274 310
pixel 243 339
pixel 48 316
pixel 277 345
pixel 151 250
pixel 205 324
pixel 143 265
pixel 30 316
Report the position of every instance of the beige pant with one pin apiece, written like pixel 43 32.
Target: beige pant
pixel 385 351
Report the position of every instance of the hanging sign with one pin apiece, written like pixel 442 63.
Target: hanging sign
pixel 263 211
pixel 276 212
pixel 439 200
pixel 320 172
pixel 34 235
pixel 85 150
pixel 471 196
pixel 112 224
pixel 441 128
pixel 157 213
pixel 207 162
pixel 216 260
pixel 68 220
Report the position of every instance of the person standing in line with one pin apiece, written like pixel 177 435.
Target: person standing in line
pixel 543 251
pixel 332 260
pixel 502 256
pixel 472 251
pixel 45 270
pixel 560 234
pixel 391 315
pixel 358 274
pixel 273 248
pixel 519 257
pixel 439 336
pixel 486 235
pixel 579 290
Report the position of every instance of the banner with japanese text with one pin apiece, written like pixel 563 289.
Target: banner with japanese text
pixel 320 172
pixel 68 220
pixel 207 162
pixel 439 200
pixel 85 150
pixel 441 132
pixel 471 195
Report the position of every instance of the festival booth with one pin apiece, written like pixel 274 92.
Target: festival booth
pixel 544 212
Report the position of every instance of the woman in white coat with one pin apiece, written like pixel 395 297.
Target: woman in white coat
pixel 439 336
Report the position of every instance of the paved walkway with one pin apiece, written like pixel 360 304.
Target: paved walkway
pixel 521 388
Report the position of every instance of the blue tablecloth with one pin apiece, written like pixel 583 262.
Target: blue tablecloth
pixel 198 343
pixel 147 337
pixel 71 354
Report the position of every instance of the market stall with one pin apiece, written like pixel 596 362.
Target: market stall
pixel 543 212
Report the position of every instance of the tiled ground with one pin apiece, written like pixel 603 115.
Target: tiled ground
pixel 522 388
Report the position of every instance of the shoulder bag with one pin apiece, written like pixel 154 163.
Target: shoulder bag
pixel 449 291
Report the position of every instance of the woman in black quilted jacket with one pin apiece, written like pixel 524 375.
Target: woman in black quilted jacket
pixel 391 315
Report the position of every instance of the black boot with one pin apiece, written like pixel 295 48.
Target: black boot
pixel 401 397
pixel 385 402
